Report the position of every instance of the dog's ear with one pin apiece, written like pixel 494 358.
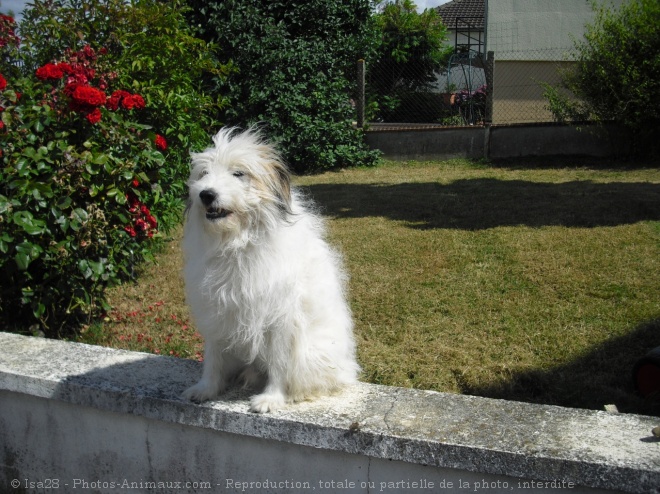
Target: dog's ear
pixel 281 185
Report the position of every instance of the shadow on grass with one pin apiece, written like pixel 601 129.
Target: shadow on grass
pixel 475 204
pixel 601 377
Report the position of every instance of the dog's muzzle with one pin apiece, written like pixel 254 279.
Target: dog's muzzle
pixel 208 197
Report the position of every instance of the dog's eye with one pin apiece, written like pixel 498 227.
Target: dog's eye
pixel 203 173
pixel 238 174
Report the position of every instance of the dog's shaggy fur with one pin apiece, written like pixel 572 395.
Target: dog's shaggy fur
pixel 266 291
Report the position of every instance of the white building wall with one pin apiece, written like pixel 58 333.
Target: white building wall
pixel 532 40
pixel 536 29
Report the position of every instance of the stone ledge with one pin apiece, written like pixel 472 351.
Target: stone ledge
pixel 545 443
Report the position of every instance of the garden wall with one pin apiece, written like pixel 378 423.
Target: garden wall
pixel 494 142
pixel 90 419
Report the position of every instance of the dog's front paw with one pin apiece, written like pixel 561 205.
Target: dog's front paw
pixel 267 402
pixel 200 392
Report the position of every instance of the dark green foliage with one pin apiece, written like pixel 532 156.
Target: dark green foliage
pixel 616 77
pixel 295 64
pixel 411 53
pixel 417 107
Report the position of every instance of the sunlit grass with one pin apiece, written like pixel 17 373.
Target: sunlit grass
pixel 536 283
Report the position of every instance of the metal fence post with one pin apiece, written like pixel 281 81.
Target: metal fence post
pixel 488 117
pixel 359 104
pixel 489 68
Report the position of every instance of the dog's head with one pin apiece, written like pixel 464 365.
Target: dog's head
pixel 239 184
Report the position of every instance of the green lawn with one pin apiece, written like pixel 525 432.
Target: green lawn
pixel 536 283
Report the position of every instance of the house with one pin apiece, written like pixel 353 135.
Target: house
pixel 465 24
pixel 465 73
pixel 531 41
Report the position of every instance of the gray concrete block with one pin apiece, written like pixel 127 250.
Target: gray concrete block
pixel 79 411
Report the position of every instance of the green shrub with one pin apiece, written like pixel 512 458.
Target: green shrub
pixel 77 190
pixel 416 107
pixel 154 54
pixel 616 75
pixel 412 50
pixel 94 146
pixel 295 65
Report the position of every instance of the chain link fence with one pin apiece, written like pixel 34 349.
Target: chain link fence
pixel 518 84
pixel 450 95
pixel 473 89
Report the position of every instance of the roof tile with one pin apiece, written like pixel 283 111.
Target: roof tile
pixel 471 11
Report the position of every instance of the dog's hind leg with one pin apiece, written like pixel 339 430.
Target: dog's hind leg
pixel 219 369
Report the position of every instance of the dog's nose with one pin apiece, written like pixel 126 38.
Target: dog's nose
pixel 208 196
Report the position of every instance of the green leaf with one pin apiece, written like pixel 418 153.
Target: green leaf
pixel 22 261
pixel 30 224
pixel 39 310
pixel 101 159
pixel 91 168
pixel 4 204
pixel 78 219
pixel 22 166
pixel 26 252
pixel 64 202
pixel 5 240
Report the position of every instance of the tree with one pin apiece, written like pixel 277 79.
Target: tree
pixel 411 52
pixel 294 73
pixel 616 76
pixel 412 47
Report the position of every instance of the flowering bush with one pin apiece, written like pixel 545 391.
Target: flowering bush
pixel 472 103
pixel 79 191
pixel 81 200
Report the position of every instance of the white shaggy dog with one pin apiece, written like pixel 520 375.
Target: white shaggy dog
pixel 266 291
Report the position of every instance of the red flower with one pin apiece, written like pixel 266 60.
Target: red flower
pixel 139 102
pixel 3 82
pixel 135 182
pixel 94 116
pixel 141 225
pixel 160 142
pixel 51 71
pixel 153 222
pixel 88 52
pixel 88 95
pixel 113 101
pixel 65 67
pixel 133 101
pixel 7 25
pixel 130 230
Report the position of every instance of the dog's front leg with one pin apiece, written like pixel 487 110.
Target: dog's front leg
pixel 214 376
pixel 271 399
pixel 278 358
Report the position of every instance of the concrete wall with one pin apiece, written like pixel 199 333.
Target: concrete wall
pixel 80 418
pixel 495 142
pixel 424 144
